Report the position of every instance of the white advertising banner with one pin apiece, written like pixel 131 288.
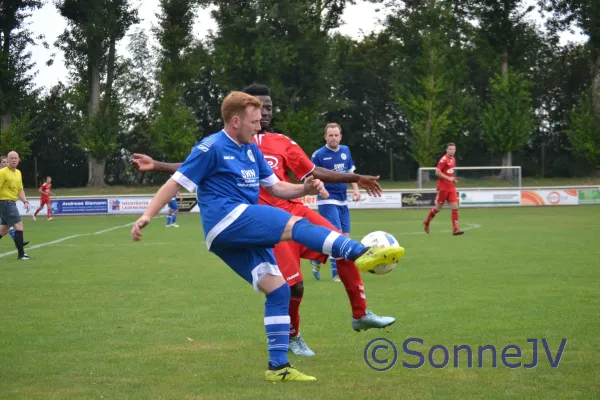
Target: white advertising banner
pixel 130 205
pixel 489 198
pixel 549 197
pixel 388 199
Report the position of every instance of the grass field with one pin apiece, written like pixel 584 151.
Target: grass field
pixel 527 182
pixel 96 316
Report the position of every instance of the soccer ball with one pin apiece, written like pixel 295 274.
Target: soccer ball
pixel 381 239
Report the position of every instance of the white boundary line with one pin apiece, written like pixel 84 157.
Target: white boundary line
pixel 37 246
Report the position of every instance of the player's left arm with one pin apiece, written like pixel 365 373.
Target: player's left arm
pixel 301 166
pixel 144 163
pixel 22 196
pixel 367 182
pixel 351 169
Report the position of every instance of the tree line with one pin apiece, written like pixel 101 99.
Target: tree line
pixel 477 73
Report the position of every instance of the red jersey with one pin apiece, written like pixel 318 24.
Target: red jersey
pixel 446 166
pixel 45 188
pixel 283 155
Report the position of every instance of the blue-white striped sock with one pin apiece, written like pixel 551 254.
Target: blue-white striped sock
pixel 277 325
pixel 323 240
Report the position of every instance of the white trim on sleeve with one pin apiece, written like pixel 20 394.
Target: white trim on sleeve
pixel 269 181
pixel 309 172
pixel 184 181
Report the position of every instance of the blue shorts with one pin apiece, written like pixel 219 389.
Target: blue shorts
pixel 246 245
pixel 173 206
pixel 339 216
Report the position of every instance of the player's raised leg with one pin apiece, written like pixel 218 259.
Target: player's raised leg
pixel 362 318
pixel 334 244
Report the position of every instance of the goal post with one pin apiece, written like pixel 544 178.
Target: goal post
pixel 481 177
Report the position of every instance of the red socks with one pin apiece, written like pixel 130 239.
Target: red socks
pixel 350 276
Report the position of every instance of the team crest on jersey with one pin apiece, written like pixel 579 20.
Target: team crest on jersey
pixel 251 156
pixel 272 161
pixel 344 156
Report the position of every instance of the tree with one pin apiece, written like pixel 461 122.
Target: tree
pixel 507 119
pixel 284 44
pixel 15 70
pixel 173 124
pixel 430 59
pixel 584 131
pixel 504 32
pixel 89 42
pixel 585 14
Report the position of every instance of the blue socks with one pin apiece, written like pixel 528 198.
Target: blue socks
pixel 325 241
pixel 277 325
pixel 333 268
pixel 171 219
pixel 11 232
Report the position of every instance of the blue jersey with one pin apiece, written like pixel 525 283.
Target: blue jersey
pixel 225 175
pixel 338 160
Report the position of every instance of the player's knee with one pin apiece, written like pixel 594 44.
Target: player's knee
pixel 297 290
pixel 294 222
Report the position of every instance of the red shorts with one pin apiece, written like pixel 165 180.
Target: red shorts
pixel 288 254
pixel 44 202
pixel 446 196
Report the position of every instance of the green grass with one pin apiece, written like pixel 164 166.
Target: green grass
pixel 527 182
pixel 97 316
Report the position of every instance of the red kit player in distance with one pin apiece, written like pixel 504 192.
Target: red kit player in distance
pixel 446 189
pixel 45 198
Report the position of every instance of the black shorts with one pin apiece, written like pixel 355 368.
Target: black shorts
pixel 9 213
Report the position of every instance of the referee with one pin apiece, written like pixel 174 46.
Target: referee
pixel 11 189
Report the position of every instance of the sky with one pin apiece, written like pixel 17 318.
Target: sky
pixel 359 19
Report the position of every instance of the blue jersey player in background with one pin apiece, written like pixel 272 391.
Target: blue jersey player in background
pixel 226 169
pixel 335 157
pixel 173 211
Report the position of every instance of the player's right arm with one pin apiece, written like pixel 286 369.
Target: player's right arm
pixel 162 197
pixel 191 173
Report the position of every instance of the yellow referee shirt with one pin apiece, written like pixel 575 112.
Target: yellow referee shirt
pixel 10 184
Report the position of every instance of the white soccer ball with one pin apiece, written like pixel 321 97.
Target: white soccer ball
pixel 381 239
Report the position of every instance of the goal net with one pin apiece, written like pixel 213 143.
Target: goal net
pixel 480 177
